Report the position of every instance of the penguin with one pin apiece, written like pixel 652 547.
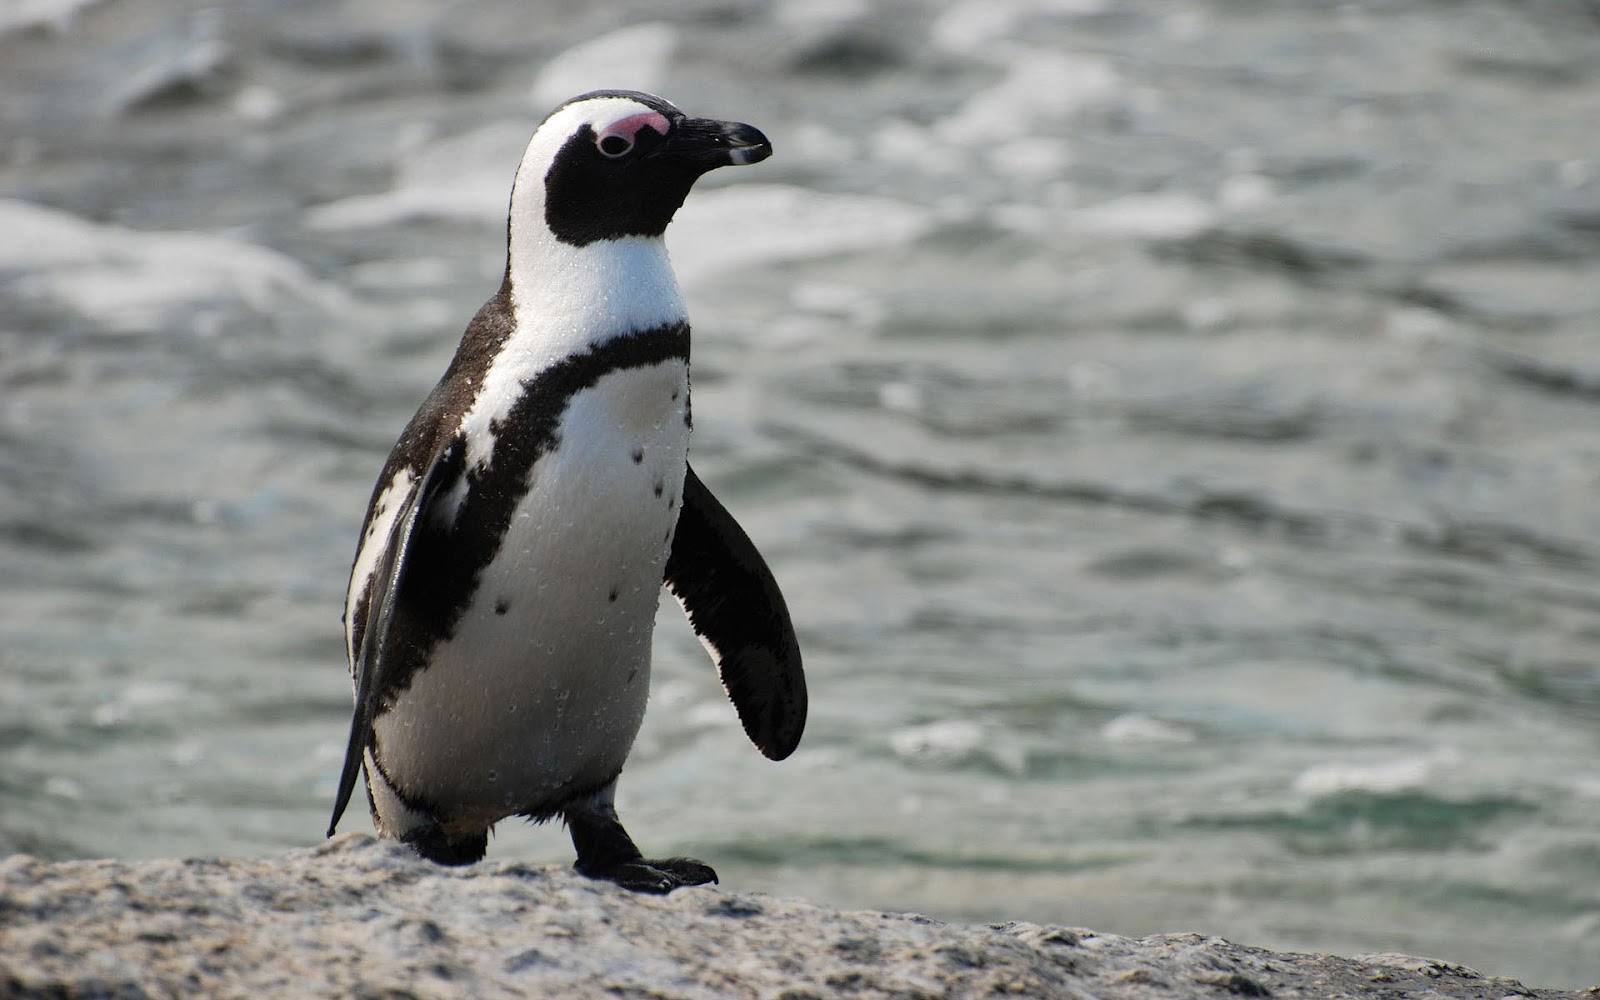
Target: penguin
pixel 504 589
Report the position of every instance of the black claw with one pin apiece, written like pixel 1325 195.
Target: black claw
pixel 606 852
pixel 687 871
pixel 653 875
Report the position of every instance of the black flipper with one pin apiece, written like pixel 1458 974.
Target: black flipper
pixel 736 609
pixel 383 595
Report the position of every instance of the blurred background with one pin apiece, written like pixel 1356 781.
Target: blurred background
pixel 1173 424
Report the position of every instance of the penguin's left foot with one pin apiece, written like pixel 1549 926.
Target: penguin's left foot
pixel 656 875
pixel 605 851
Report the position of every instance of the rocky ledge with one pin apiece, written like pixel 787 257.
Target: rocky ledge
pixel 360 918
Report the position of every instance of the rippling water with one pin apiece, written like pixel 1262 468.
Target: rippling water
pixel 1173 425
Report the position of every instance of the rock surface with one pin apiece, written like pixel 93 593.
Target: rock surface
pixel 361 918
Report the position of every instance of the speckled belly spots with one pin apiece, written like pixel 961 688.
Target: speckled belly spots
pixel 582 561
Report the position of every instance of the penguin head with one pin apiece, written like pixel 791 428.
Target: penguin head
pixel 617 163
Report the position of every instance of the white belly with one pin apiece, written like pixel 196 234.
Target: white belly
pixel 541 690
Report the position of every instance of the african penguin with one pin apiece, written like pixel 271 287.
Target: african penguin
pixel 505 585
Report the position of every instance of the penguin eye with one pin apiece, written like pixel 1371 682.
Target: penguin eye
pixel 613 146
pixel 621 137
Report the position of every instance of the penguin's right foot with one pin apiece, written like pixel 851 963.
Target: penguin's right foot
pixel 430 842
pixel 654 875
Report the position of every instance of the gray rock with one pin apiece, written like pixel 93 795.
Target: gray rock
pixel 361 918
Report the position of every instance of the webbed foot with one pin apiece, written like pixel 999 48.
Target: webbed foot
pixel 605 851
pixel 655 875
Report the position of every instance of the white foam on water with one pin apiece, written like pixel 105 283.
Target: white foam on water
pixel 196 62
pixel 1209 313
pixel 716 714
pixel 948 742
pixel 138 695
pixel 1134 728
pixel 901 397
pixel 464 177
pixel 33 237
pixel 1041 88
pixel 24 15
pixel 129 279
pixel 972 26
pixel 1586 786
pixel 830 298
pixel 946 739
pixel 810 13
pixel 965 27
pixel 815 142
pixel 1035 157
pixel 399 274
pixel 1164 215
pixel 197 54
pixel 1244 191
pixel 63 788
pixel 1384 777
pixel 257 103
pixel 899 141
pixel 748 225
pixel 633 58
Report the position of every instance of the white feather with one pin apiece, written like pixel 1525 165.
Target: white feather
pixel 373 544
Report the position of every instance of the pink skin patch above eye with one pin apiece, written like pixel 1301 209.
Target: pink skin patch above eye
pixel 628 128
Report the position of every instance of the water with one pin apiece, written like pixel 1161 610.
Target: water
pixel 1172 424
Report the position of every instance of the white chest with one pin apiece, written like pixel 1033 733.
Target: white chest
pixel 543 683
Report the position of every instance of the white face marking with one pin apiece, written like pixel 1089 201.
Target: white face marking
pixel 534 249
pixel 373 544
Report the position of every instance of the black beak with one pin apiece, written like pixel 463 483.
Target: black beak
pixel 708 144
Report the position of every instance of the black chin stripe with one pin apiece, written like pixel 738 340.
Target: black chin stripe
pixel 530 430
pixel 446 561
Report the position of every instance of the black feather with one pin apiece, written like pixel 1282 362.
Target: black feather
pixel 734 604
